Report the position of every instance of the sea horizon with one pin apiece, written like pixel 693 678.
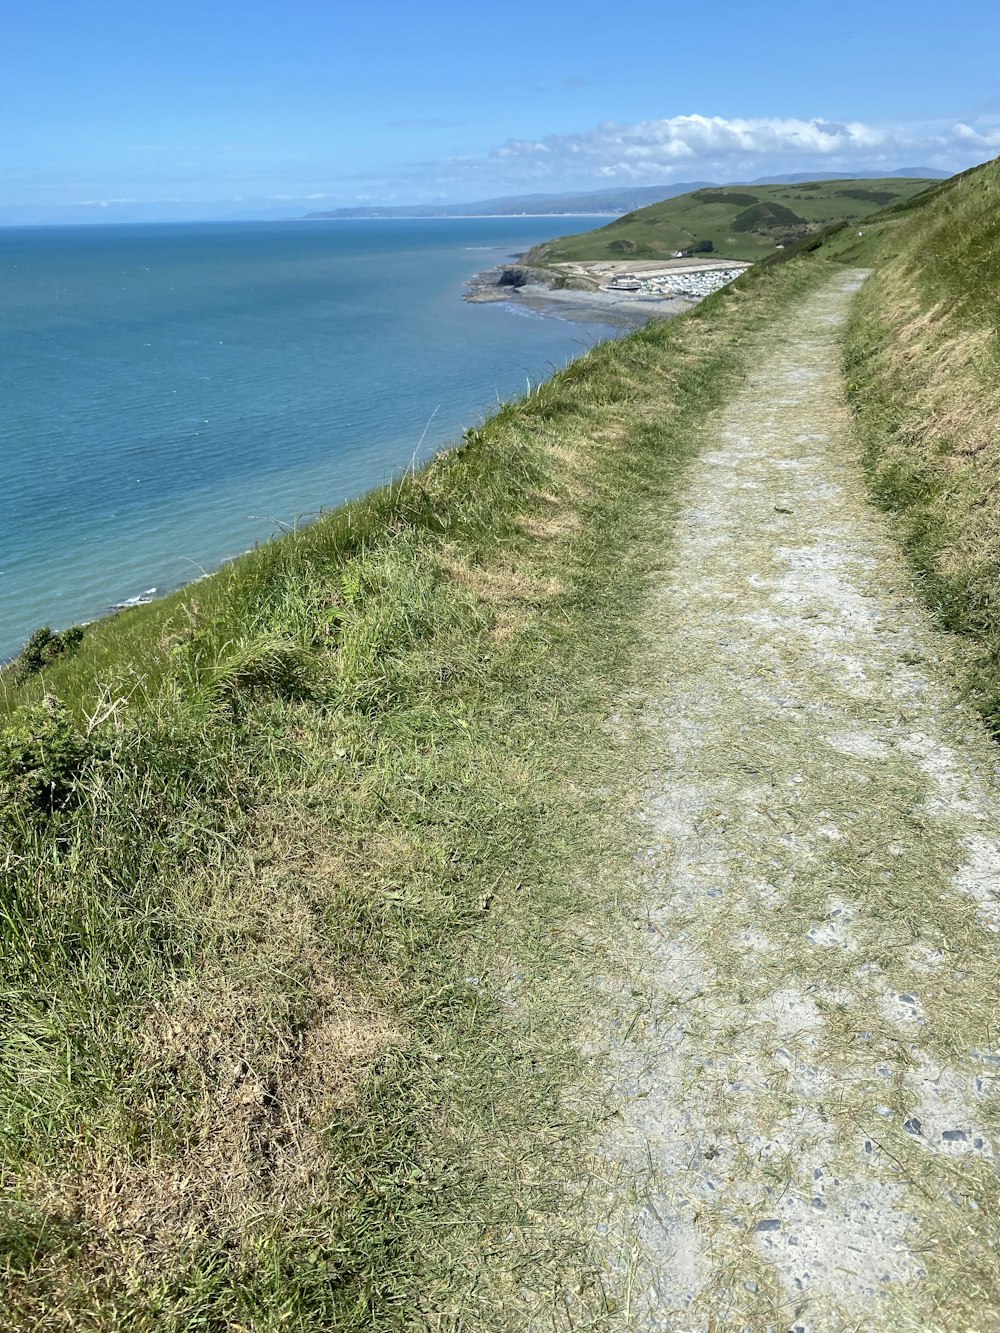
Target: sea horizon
pixel 252 222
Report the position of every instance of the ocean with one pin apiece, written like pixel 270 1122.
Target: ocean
pixel 172 394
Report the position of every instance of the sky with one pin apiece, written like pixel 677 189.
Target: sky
pixel 114 109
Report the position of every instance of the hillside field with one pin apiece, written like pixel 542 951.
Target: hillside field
pixel 740 222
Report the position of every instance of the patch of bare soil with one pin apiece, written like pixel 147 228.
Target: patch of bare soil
pixel 803 1119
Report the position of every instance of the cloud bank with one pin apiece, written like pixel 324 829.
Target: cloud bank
pixel 708 146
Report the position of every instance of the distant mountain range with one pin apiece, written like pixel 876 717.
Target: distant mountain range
pixel 916 173
pixel 621 199
pixel 611 200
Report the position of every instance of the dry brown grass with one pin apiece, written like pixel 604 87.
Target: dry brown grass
pixel 252 1149
pixel 505 585
pixel 551 527
pixel 236 1085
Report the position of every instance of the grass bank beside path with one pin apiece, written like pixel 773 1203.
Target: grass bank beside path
pixel 296 868
pixel 923 365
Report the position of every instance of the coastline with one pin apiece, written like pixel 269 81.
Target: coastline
pixel 578 302
pixel 589 307
pixel 212 418
pixel 582 292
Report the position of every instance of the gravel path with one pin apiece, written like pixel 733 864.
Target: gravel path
pixel 804 1058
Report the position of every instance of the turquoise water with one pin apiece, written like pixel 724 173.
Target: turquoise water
pixel 170 394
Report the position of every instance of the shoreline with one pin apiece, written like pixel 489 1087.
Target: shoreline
pixel 307 447
pixel 587 307
pixel 580 291
pixel 621 313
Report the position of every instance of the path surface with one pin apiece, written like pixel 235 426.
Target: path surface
pixel 804 1060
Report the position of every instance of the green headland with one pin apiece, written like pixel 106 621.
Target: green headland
pixel 733 221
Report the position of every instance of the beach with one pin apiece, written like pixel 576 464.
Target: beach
pixel 583 291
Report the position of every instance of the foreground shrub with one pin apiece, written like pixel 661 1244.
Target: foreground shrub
pixel 44 647
pixel 41 757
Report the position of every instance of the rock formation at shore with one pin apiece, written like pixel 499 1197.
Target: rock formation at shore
pixel 498 283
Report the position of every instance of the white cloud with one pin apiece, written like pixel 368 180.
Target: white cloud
pixel 709 145
pixel 987 136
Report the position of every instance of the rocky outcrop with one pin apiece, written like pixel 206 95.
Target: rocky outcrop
pixel 497 284
pixel 500 283
pixel 520 275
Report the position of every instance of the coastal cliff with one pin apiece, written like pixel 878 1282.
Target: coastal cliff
pixel 315 800
pixel 456 870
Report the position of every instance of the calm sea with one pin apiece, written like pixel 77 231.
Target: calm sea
pixel 170 394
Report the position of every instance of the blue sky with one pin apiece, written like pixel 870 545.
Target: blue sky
pixel 220 107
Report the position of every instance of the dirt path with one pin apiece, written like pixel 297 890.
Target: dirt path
pixel 804 1061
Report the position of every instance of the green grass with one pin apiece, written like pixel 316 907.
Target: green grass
pixel 742 222
pixel 923 363
pixel 297 870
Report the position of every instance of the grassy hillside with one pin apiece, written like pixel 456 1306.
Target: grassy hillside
pixel 741 222
pixel 296 872
pixel 924 369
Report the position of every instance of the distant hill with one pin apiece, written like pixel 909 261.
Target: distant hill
pixel 617 199
pixel 738 222
pixel 612 199
pixel 797 177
